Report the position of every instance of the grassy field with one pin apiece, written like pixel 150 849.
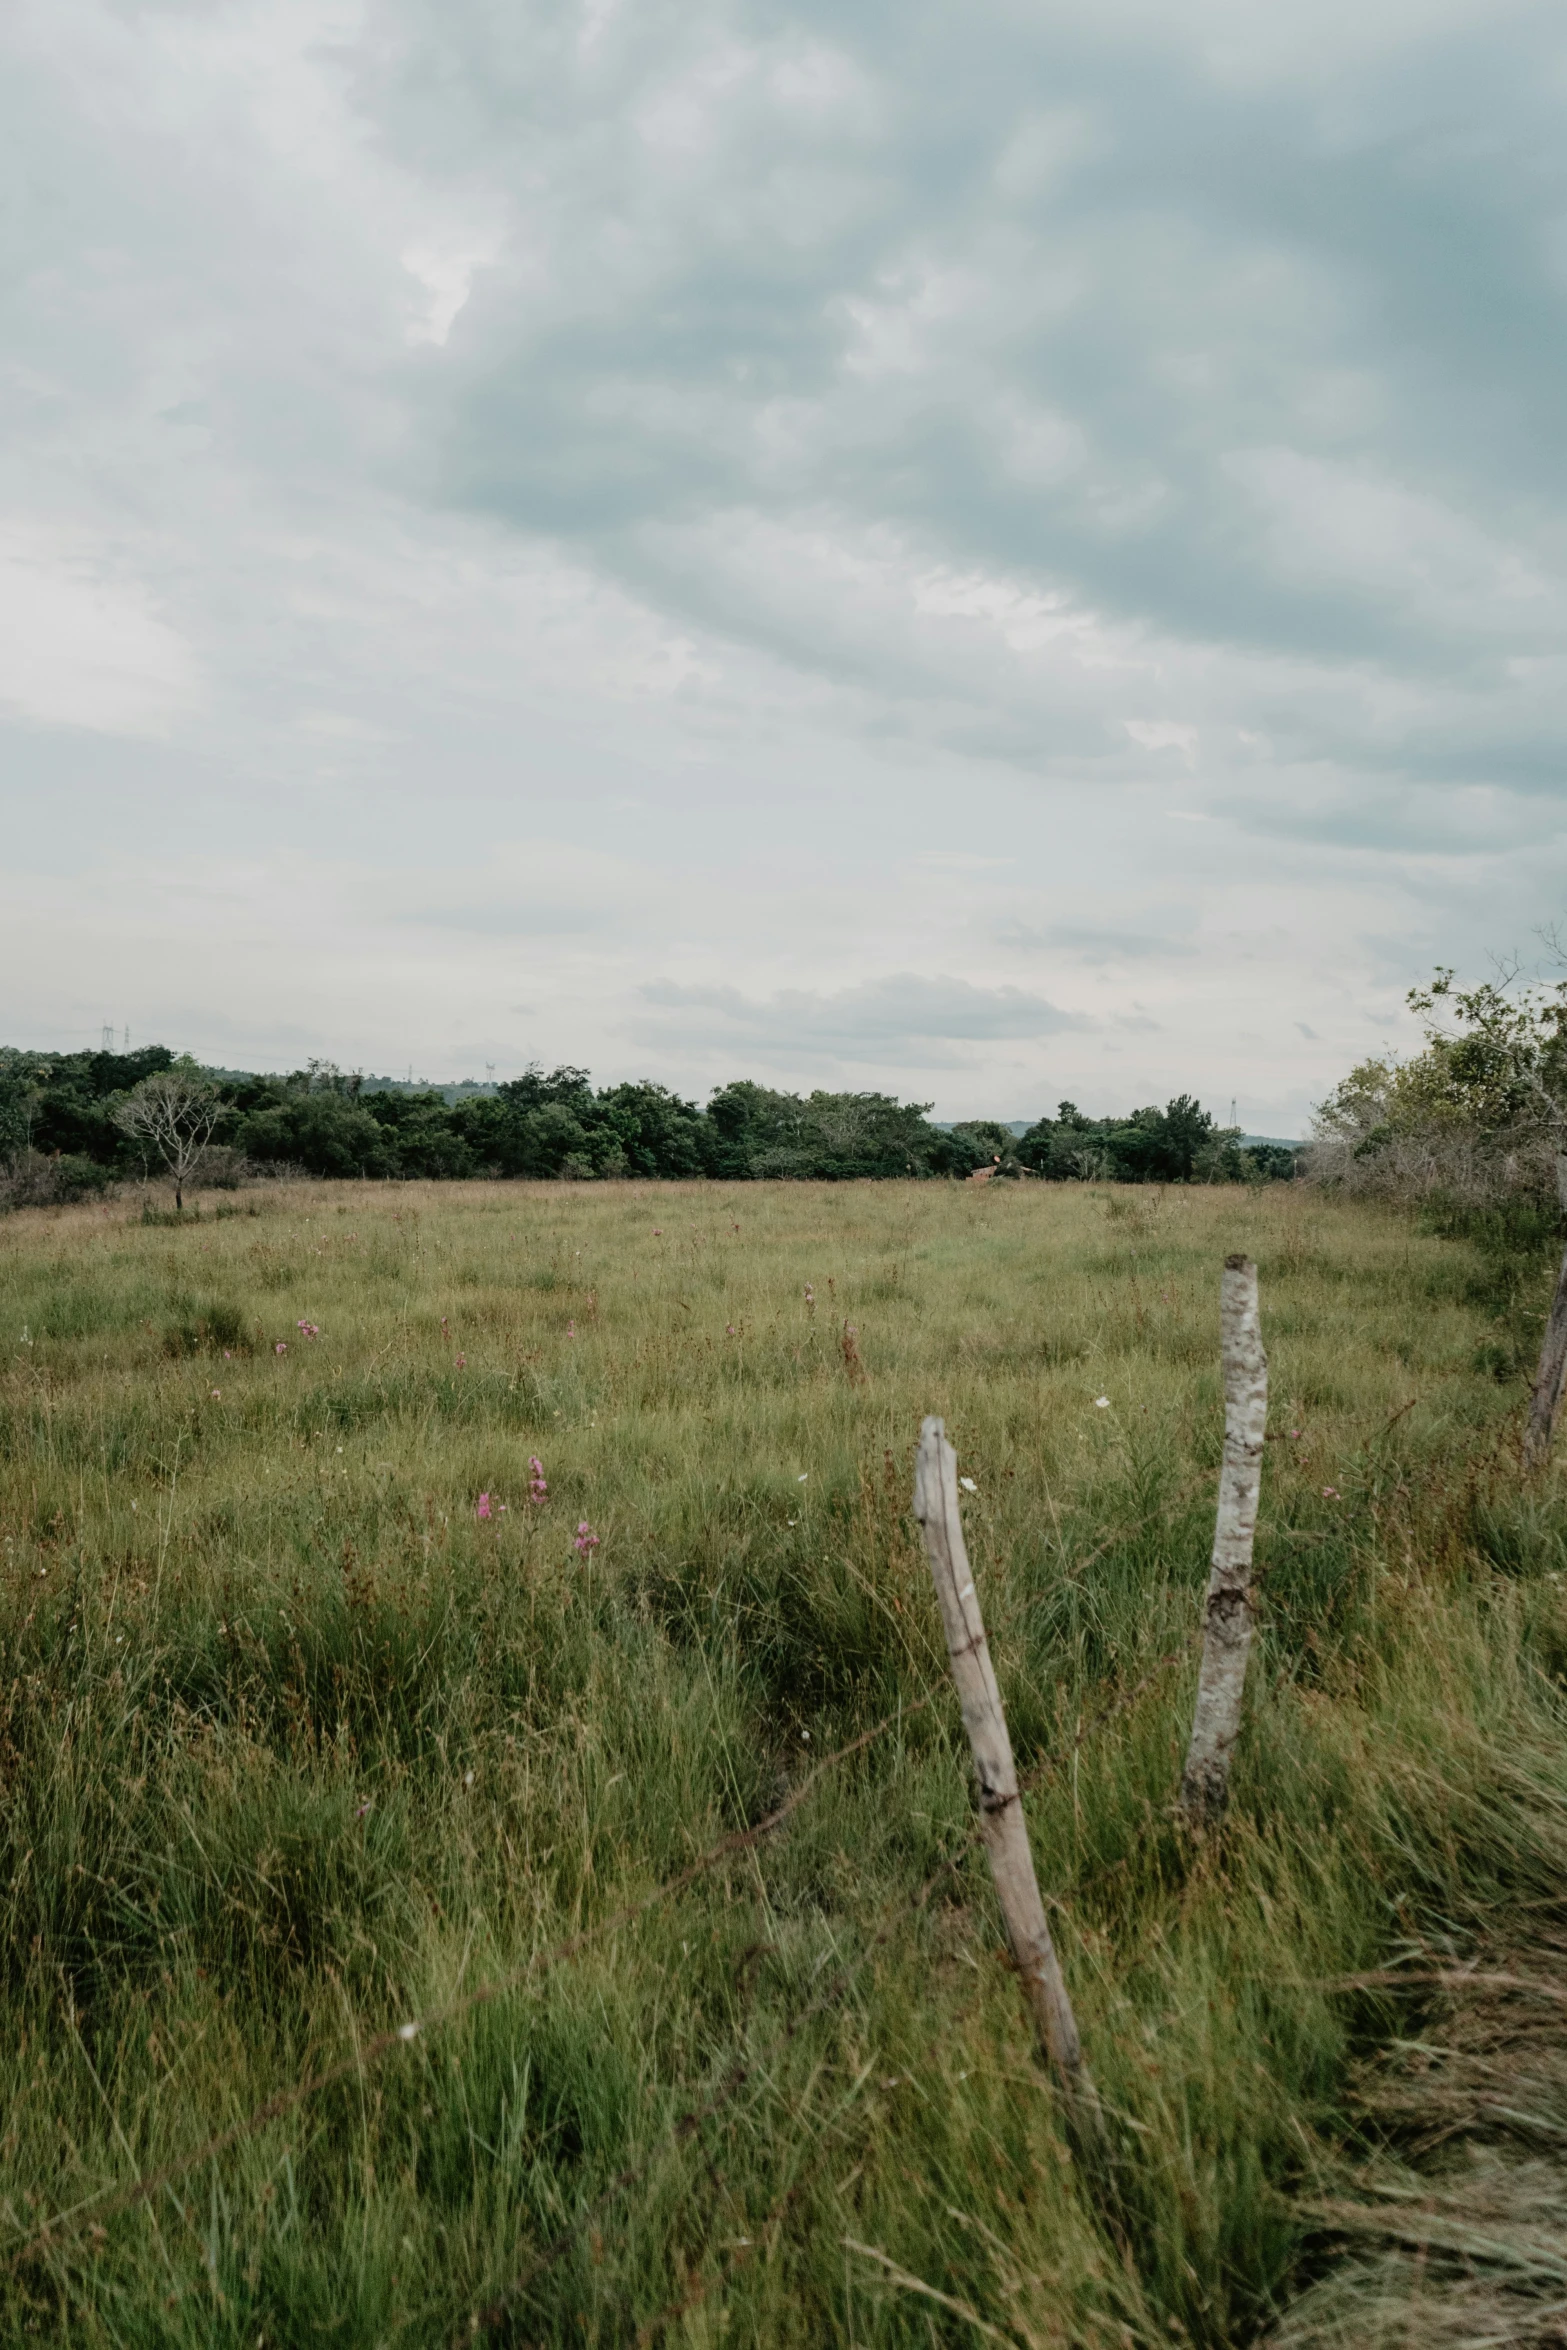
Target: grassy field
pixel 300 1747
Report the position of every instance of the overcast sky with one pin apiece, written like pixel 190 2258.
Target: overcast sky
pixel 994 551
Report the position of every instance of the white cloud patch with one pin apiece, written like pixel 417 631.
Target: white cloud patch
pixel 1164 734
pixel 444 267
pixel 81 644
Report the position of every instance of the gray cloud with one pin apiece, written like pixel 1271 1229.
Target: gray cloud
pixel 670 469
pixel 1094 944
pixel 880 1019
pixel 1203 356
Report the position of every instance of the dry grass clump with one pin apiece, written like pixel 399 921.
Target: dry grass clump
pixel 1456 2232
pixel 298 1744
pixel 1462 1170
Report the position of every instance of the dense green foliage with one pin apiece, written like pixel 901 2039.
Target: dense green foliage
pixel 57 1113
pixel 298 1743
pixel 58 1137
pixel 1178 1144
pixel 1473 1123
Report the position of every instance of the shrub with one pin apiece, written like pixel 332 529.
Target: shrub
pixel 37 1180
pixel 1473 1121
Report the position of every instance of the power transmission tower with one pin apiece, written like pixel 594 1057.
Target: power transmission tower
pixel 106 1036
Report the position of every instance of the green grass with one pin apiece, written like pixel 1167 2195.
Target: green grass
pixel 295 1748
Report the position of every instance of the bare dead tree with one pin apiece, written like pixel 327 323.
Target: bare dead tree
pixel 172 1113
pixel 1227 1619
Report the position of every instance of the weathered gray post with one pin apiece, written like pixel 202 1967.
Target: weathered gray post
pixel 1227 1619
pixel 1000 1803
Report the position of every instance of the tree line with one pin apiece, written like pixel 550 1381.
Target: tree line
pixel 71 1123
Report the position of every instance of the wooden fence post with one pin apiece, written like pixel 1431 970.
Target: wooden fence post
pixel 1546 1401
pixel 1001 1808
pixel 1227 1618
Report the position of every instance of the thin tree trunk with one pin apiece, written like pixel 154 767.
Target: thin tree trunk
pixel 1001 1808
pixel 1227 1620
pixel 1547 1398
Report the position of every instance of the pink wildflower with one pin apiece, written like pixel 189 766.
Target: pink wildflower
pixel 217 1395
pixel 482 1506
pixel 658 1232
pixel 281 1347
pixel 729 1329
pixel 1330 1493
pixel 586 1538
pixel 462 1362
pixel 308 1329
pixel 571 1328
pixel 538 1490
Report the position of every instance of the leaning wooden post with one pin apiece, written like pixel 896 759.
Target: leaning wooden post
pixel 1000 1804
pixel 1547 1398
pixel 1227 1619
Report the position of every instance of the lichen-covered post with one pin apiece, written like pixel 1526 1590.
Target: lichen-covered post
pixel 1000 1803
pixel 1227 1619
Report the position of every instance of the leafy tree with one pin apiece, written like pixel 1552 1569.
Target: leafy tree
pixel 867 1134
pixel 654 1131
pixel 534 1091
pixel 1479 1114
pixel 300 1121
pixel 958 1150
pixel 62 1104
pixel 1184 1129
pixel 19 1095
pixel 750 1122
pixel 420 1135
pixel 544 1138
pixel 1178 1144
pixel 833 1136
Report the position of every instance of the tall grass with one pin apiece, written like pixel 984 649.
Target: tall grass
pixel 297 1746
